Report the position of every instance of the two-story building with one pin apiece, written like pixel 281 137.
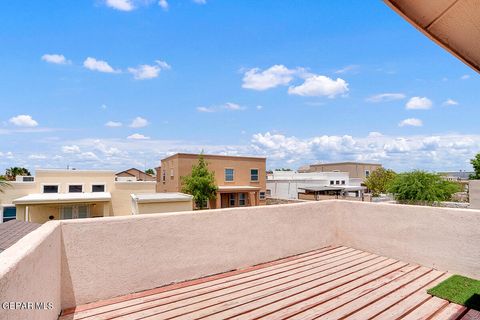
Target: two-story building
pixel 241 181
pixel 356 170
pixel 71 194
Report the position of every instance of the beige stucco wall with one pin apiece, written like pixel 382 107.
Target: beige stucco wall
pixel 30 271
pixel 158 249
pixel 162 207
pixel 121 197
pixel 443 238
pixel 474 194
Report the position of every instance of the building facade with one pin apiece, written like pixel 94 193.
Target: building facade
pixel 355 170
pixel 134 174
pixel 241 181
pixel 72 194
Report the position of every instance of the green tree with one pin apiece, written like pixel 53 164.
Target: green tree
pixel 476 167
pixel 420 187
pixel 200 183
pixel 379 180
pixel 150 172
pixel 13 172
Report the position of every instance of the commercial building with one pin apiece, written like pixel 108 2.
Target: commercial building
pixel 312 185
pixel 241 181
pixel 70 194
pixel 355 170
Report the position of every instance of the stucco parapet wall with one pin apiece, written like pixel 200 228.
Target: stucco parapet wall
pixel 30 272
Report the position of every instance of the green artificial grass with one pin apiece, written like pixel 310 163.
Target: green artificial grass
pixel 460 290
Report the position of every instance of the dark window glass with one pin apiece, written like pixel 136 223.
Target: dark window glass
pixel 254 175
pixel 9 213
pixel 75 188
pixel 50 189
pixel 98 188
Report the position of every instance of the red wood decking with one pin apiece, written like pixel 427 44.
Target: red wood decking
pixel 329 283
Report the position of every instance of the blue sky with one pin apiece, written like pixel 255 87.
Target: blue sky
pixel 122 83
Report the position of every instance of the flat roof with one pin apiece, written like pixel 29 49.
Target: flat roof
pixel 13 230
pixel 75 170
pixel 346 162
pixel 238 188
pixel 74 197
pixel 161 197
pixel 213 156
pixel 333 188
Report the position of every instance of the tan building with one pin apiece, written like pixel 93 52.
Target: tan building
pixel 135 175
pixel 241 181
pixel 71 194
pixel 356 170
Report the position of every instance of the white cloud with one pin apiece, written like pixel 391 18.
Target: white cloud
pixel 139 122
pixel 23 120
pixel 98 65
pixel 317 85
pixel 205 109
pixel 259 107
pixel 113 124
pixel 88 156
pixel 104 107
pixel 71 149
pixel 465 77
pixel 55 58
pixel 137 136
pixel 233 106
pixel 146 71
pixel 277 75
pixel 419 103
pixel 375 134
pixel 353 68
pixel 414 122
pixel 163 4
pixel 37 157
pixel 122 5
pixel 450 102
pixel 200 1
pixel 385 97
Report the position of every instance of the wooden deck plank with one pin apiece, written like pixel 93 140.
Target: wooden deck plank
pixel 427 309
pixel 318 271
pixel 210 279
pixel 329 283
pixel 241 298
pixel 264 270
pixel 451 312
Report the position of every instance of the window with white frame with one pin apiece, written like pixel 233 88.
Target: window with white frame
pixel 98 188
pixel 261 195
pixel 343 181
pixel 242 199
pixel 229 174
pixel 253 174
pixel 332 182
pixel 50 188
pixel 75 188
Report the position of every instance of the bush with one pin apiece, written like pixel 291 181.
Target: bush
pixel 420 187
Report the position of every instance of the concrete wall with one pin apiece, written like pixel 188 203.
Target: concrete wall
pixel 158 249
pixel 121 197
pixel 30 271
pixel 162 207
pixel 474 194
pixel 443 238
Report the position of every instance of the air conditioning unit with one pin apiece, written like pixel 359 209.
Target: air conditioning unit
pixel 25 179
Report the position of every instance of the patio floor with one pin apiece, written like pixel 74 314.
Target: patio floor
pixel 329 283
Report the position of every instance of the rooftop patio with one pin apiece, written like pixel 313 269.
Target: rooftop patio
pixel 328 259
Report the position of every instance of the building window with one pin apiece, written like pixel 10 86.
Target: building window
pixel 231 200
pixel 241 199
pixel 332 182
pixel 367 173
pixel 171 173
pixel 261 195
pixel 229 174
pixel 75 188
pixel 50 189
pixel 9 213
pixel 164 175
pixel 253 174
pixel 98 188
pixel 337 182
pixel 343 181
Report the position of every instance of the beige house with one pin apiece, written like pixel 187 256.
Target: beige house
pixel 241 181
pixel 134 174
pixel 356 170
pixel 71 194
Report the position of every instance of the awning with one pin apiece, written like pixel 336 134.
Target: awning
pixel 225 189
pixel 161 197
pixel 453 24
pixel 58 198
